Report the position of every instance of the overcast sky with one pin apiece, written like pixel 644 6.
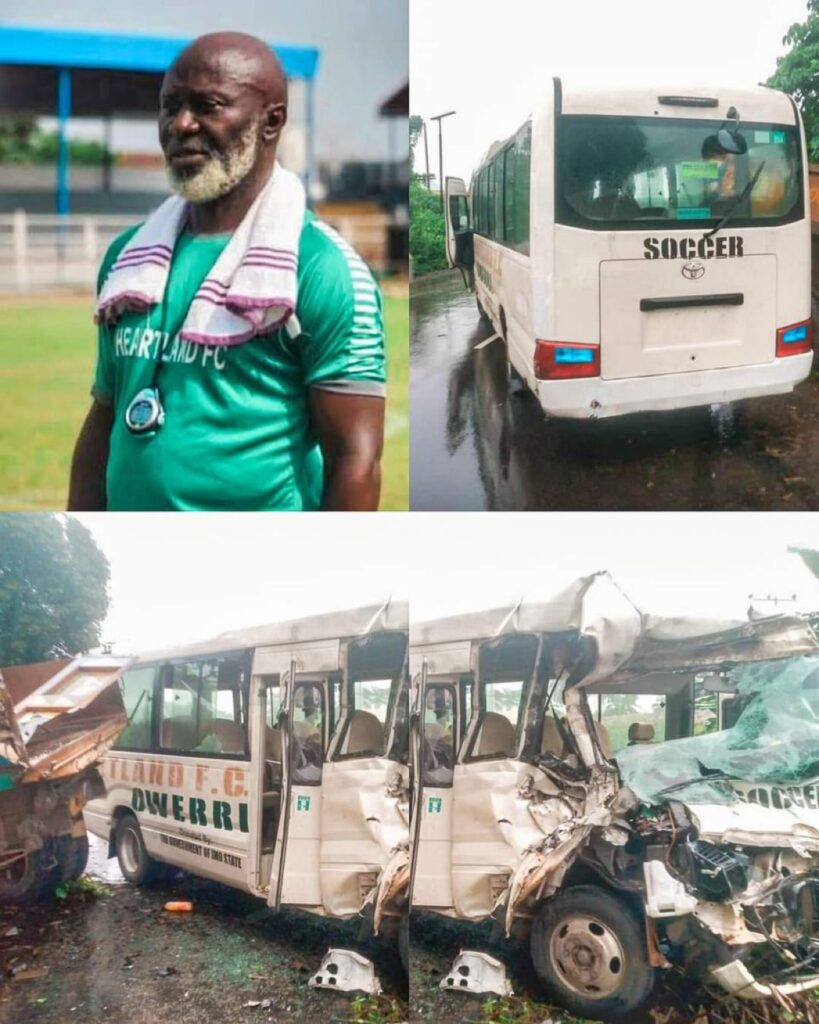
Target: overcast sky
pixel 363 44
pixel 186 577
pixel 488 60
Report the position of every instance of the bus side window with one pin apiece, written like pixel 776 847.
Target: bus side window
pixel 307 746
pixel 203 706
pixel 272 728
pixel 137 688
pixel 439 735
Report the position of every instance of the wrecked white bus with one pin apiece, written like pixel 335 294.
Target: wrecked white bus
pixel 700 853
pixel 57 719
pixel 275 760
pixel 645 248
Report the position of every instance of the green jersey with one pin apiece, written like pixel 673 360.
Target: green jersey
pixel 237 432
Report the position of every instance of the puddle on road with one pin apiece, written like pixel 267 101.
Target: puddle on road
pixel 99 865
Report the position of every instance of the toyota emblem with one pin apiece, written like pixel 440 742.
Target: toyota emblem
pixel 693 270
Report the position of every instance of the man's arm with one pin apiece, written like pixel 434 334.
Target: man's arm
pixel 86 491
pixel 350 430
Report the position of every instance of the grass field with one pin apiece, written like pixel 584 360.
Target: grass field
pixel 46 368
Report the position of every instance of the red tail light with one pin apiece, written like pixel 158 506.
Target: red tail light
pixel 565 360
pixel 795 339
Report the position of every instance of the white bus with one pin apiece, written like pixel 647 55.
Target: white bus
pixel 275 760
pixel 553 796
pixel 644 249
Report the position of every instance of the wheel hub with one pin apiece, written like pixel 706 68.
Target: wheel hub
pixel 588 956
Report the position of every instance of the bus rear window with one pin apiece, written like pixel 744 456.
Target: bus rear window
pixel 633 172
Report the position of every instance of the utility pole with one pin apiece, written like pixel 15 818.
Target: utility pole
pixel 426 155
pixel 439 118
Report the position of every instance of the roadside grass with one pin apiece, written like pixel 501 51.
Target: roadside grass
pixel 46 367
pixel 376 1010
pixel 524 1011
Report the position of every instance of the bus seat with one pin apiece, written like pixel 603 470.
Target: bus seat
pixel 640 732
pixel 178 734
pixel 433 731
pixel 497 735
pixel 230 734
pixel 364 733
pixel 305 730
pixel 604 739
pixel 552 741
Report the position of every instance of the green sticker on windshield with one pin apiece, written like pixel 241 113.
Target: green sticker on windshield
pixel 693 213
pixel 705 170
pixel 778 138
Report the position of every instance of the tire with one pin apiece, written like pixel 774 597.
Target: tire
pixel 589 949
pixel 403 942
pixel 137 866
pixel 72 856
pixel 32 878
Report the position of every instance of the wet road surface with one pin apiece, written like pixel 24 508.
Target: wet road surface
pixel 479 442
pixel 119 958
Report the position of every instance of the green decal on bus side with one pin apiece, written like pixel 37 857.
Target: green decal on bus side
pixel 302 803
pixel 219 814
pixel 435 805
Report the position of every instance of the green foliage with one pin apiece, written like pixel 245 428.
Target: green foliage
pixel 22 142
pixel 797 73
pixel 53 588
pixel 426 229
pixel 376 1010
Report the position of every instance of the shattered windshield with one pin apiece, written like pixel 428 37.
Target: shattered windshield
pixel 775 740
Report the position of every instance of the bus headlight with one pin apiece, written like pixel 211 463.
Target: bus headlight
pixel 563 360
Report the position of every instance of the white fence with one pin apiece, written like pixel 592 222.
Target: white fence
pixel 40 251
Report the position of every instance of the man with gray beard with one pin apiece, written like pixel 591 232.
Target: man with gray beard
pixel 237 368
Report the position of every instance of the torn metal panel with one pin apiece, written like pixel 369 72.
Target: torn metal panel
pixel 346 971
pixel 477 972
pixel 392 897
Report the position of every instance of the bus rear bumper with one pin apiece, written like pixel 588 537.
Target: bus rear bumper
pixel 595 398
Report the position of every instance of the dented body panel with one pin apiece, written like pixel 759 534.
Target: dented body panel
pixel 275 761
pixel 57 720
pixel 720 846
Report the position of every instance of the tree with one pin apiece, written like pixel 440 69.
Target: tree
pixel 797 73
pixel 426 229
pixel 809 557
pixel 53 588
pixel 23 142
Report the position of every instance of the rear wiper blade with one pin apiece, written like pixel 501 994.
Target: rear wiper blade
pixel 741 199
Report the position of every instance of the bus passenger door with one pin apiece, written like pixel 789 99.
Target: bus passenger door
pixel 435 728
pixel 295 873
pixel 458 225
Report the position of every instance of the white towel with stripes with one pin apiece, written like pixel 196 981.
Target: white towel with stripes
pixel 251 288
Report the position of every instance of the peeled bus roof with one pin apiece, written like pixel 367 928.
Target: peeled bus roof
pixel 629 643
pixel 348 623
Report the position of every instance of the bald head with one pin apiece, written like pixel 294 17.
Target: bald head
pixel 223 105
pixel 238 57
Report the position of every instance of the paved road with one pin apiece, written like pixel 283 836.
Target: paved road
pixel 478 444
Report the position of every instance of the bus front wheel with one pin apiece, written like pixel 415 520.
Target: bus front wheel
pixel 589 949
pixel 137 866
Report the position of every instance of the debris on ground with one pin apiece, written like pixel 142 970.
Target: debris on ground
pixel 477 972
pixel 346 971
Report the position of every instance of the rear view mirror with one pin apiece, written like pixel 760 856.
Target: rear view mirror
pixel 731 141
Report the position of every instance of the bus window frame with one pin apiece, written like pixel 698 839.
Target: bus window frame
pixel 566 216
pixel 452 688
pixel 165 671
pixel 152 725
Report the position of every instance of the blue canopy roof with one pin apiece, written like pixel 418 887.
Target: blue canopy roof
pixel 47 47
